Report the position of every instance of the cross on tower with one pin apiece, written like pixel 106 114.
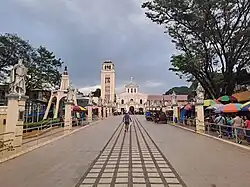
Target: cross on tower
pixel 131 79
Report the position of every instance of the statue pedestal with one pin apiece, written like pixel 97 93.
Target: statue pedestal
pixel 175 113
pixel 68 116
pixel 200 125
pixel 90 119
pixel 14 123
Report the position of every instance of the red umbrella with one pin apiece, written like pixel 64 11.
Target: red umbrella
pixel 78 108
pixel 188 107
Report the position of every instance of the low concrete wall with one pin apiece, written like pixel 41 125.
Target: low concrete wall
pixel 3 116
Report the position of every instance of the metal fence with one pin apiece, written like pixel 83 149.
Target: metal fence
pixel 236 134
pixel 35 135
pixel 38 134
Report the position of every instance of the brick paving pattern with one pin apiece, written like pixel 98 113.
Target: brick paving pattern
pixel 131 159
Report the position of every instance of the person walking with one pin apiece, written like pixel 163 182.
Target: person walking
pixel 126 119
pixel 238 125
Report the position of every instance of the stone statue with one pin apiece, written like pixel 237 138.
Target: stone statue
pixel 17 78
pixel 70 94
pixel 91 99
pixel 173 98
pixel 200 92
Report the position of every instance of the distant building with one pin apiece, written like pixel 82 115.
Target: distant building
pixel 131 99
pixel 155 102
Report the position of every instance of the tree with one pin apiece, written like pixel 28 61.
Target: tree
pixel 43 66
pixel 44 69
pixel 212 37
pixel 97 92
pixel 13 48
pixel 182 90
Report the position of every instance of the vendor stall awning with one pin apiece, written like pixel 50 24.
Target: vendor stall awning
pixel 242 96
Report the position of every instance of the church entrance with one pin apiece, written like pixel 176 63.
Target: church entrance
pixel 122 110
pixel 141 112
pixel 132 110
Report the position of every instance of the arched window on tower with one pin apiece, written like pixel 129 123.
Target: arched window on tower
pixel 122 102
pixel 131 90
pixel 134 90
pixel 141 101
pixel 128 90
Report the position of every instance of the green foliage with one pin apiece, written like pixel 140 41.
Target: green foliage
pixel 97 92
pixel 211 36
pixel 43 66
pixel 182 90
pixel 12 48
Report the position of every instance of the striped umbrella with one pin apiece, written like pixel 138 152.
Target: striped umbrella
pixel 231 108
pixel 211 102
pixel 245 104
pixel 215 106
pixel 245 107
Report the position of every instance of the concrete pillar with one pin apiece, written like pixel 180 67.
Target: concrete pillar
pixel 14 123
pixel 100 112
pixel 104 112
pixel 90 119
pixel 108 112
pixel 68 116
pixel 175 113
pixel 200 125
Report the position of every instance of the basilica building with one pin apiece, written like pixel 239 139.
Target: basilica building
pixel 131 99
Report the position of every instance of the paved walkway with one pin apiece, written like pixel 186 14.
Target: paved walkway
pixel 148 155
pixel 199 160
pixel 131 159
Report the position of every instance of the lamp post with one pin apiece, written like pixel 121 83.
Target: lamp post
pixel 100 108
pixel 106 104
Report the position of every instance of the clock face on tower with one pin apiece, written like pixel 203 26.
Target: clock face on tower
pixel 107 67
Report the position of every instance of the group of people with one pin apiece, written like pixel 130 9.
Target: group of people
pixel 235 126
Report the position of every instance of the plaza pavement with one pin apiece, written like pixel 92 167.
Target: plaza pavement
pixel 159 155
pixel 199 160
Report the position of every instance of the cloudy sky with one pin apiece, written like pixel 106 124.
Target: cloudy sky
pixel 84 33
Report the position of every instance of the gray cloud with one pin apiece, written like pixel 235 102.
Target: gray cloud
pixel 85 33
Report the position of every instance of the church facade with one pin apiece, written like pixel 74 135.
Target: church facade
pixel 131 99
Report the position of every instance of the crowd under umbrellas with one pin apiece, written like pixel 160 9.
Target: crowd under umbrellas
pixel 224 117
pixel 229 118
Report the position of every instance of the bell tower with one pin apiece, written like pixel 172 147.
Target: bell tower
pixel 108 81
